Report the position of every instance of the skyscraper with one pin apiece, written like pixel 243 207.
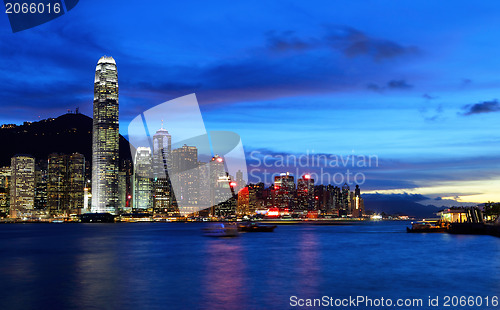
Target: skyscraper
pixel 57 198
pixel 4 189
pixel 41 178
pixel 185 175
pixel 305 193
pixel 142 179
pixel 22 187
pixel 217 170
pixel 66 183
pixel 105 138
pixel 284 186
pixel 162 146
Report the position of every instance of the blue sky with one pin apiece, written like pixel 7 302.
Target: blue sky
pixel 412 82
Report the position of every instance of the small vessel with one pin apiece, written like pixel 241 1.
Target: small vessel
pixel 428 227
pixel 221 230
pixel 256 227
pixel 97 218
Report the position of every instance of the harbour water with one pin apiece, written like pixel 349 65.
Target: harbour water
pixel 173 266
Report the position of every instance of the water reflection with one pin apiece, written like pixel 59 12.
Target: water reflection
pixel 308 264
pixel 224 285
pixel 171 266
pixel 97 278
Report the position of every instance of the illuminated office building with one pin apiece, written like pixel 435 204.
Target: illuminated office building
pixel 66 183
pixel 22 187
pixel 162 147
pixel 305 193
pixel 344 200
pixel 243 205
pixel 41 178
pixel 122 191
pixel 284 187
pixel 358 204
pixel 4 189
pixel 105 138
pixel 186 176
pixel 217 171
pixel 227 203
pixel 143 169
pixel 204 187
pixel 126 175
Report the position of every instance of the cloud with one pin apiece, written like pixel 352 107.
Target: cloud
pixel 353 42
pixel 391 85
pixel 349 41
pixel 429 97
pixel 482 107
pixel 288 41
pixel 398 84
pixel 383 174
pixel 56 70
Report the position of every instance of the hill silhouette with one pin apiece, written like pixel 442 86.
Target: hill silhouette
pixel 402 204
pixel 65 134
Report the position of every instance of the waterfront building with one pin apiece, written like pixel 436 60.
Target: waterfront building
pixel 122 192
pixel 41 179
pixel 243 202
pixel 284 191
pixel 22 187
pixel 204 188
pixel 162 148
pixel 305 193
pixel 105 138
pixel 255 197
pixel 227 204
pixel 359 206
pixel 125 181
pixel 240 182
pixel 143 173
pixel 185 177
pixel 5 174
pixel 344 200
pixel 65 183
pixel 217 173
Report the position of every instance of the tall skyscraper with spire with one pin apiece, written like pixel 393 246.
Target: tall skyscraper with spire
pixel 105 138
pixel 162 147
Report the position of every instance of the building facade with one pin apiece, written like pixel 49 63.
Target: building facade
pixel 66 183
pixel 305 193
pixel 5 175
pixel 185 177
pixel 284 191
pixel 22 187
pixel 105 138
pixel 162 189
pixel 143 173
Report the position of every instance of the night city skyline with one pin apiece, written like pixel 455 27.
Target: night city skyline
pixel 418 96
pixel 250 155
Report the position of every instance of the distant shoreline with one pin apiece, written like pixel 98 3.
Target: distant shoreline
pixel 326 222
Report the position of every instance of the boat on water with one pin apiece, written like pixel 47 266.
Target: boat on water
pixel 255 227
pixel 97 218
pixel 428 227
pixel 221 230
